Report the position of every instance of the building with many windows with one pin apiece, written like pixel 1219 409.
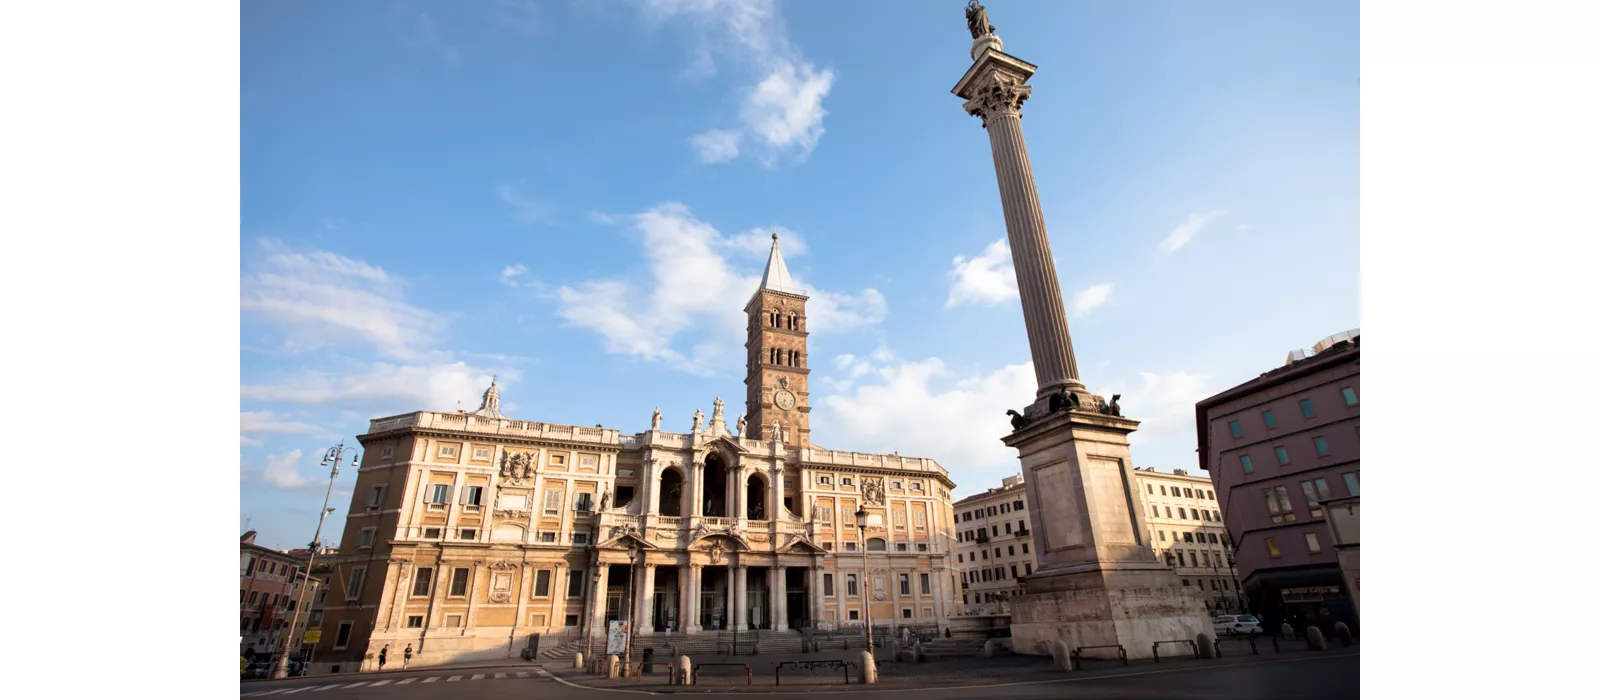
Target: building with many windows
pixel 1280 448
pixel 1184 519
pixel 994 548
pixel 470 532
pixel 271 588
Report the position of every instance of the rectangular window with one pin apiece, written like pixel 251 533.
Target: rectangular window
pixel 1351 484
pixel 1013 571
pixel 375 497
pixel 1283 455
pixel 1011 551
pixel 431 533
pixel 905 584
pixel 922 546
pixel 1193 562
pixel 1150 488
pixel 1008 528
pixel 1027 569
pixel 1206 514
pixel 364 538
pixel 927 584
pixel 1024 547
pixel 424 579
pixel 1244 463
pixel 452 620
pixel 440 495
pixel 342 638
pixel 1312 544
pixel 827 585
pixel 467 533
pixel 1188 493
pixel 413 621
pixel 825 515
pixel 900 547
pixel 1305 408
pixel 1205 559
pixel 1194 514
pixel 1163 534
pixel 850 585
pixel 552 501
pixel 1187 537
pixel 855 614
pixel 1233 427
pixel 1163 490
pixel 1210 496
pixel 919 520
pixel 1155 512
pixel 905 613
pixel 547 537
pixel 472 496
pixel 447 451
pixel 1005 508
pixel 1311 498
pixel 1271 422
pixel 847 481
pixel 1169 511
pixel 541 583
pixel 458 582
pixel 824 480
pixel 1322 446
pixel 584 502
pixel 849 546
pixel 1349 396
pixel 1182 515
pixel 1272 547
pixel 580 538
pixel 575 583
pixel 1017 505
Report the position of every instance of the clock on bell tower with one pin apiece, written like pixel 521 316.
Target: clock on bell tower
pixel 775 383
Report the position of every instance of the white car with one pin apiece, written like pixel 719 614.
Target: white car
pixel 1236 624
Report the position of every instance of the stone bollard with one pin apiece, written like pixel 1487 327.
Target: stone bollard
pixel 1314 639
pixel 1060 655
pixel 682 670
pixel 1342 631
pixel 1207 645
pixel 1288 630
pixel 988 649
pixel 613 667
pixel 577 660
pixel 869 668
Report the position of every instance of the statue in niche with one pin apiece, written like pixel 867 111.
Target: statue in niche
pixel 699 419
pixel 978 20
pixel 872 491
pixel 655 420
pixel 716 410
pixel 740 425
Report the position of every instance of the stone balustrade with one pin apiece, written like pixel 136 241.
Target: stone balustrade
pixel 495 426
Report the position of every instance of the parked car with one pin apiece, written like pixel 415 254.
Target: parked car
pixel 1236 624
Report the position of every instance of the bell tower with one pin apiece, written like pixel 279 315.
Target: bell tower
pixel 776 374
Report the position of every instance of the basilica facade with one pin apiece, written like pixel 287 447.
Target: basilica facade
pixel 470 532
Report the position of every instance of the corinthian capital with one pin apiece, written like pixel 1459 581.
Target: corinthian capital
pixel 998 95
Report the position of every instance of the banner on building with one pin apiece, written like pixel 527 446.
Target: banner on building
pixel 617 637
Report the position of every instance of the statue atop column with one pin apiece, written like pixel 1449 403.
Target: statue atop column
pixel 655 419
pixel 978 20
pixel 716 410
pixel 699 420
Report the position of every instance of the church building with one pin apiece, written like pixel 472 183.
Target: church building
pixel 471 533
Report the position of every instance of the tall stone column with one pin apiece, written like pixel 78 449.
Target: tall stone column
pixel 644 599
pixel 816 596
pixel 692 609
pixel 780 600
pixel 558 596
pixel 649 483
pixel 597 605
pixel 741 596
pixel 697 478
pixel 994 90
pixel 737 504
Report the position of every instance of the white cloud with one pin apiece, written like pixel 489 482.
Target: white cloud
pixel 1089 299
pixel 321 298
pixel 693 289
pixel 508 276
pixel 524 209
pixel 283 471
pixel 985 280
pixel 757 243
pixel 1164 405
pixel 385 389
pixel 782 111
pixel 921 409
pixel 256 422
pixel 716 145
pixel 1185 231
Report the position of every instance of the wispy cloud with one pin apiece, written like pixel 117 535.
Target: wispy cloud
pixel 1187 230
pixel 985 280
pixel 283 472
pixel 508 276
pixel 383 388
pixel 1090 299
pixel 524 16
pixel 781 113
pixel 419 32
pixel 319 298
pixel 524 209
pixel 256 422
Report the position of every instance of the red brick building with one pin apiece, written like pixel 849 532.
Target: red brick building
pixel 1277 448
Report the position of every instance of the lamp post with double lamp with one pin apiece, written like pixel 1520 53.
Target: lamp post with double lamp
pixel 333 457
pixel 627 631
pixel 866 601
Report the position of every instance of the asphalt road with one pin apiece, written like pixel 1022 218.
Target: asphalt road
pixel 1315 678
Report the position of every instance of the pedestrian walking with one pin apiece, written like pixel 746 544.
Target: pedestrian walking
pixel 407 661
pixel 383 657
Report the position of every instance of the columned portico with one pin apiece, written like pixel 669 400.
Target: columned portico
pixel 780 600
pixel 741 611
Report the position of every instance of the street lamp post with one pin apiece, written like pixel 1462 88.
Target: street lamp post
pixel 633 570
pixel 333 457
pixel 1238 595
pixel 866 601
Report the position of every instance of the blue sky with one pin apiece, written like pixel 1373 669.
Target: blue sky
pixel 577 197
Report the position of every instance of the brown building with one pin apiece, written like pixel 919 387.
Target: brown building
pixel 469 534
pixel 1279 448
pixel 270 586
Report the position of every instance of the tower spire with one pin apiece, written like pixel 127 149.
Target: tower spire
pixel 776 277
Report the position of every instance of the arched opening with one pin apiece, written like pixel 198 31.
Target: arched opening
pixel 716 486
pixel 876 544
pixel 671 501
pixel 755 498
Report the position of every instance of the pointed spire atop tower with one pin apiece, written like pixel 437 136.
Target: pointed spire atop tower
pixel 777 276
pixel 490 408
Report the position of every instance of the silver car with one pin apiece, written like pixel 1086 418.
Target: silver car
pixel 1236 624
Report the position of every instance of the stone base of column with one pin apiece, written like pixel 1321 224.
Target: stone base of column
pixel 1134 608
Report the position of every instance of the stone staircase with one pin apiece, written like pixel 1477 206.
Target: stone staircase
pixel 709 644
pixel 952 648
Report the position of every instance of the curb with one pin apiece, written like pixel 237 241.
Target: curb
pixel 385 672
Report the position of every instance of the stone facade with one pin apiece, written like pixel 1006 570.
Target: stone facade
pixel 470 532
pixel 272 587
pixel 994 550
pixel 1184 519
